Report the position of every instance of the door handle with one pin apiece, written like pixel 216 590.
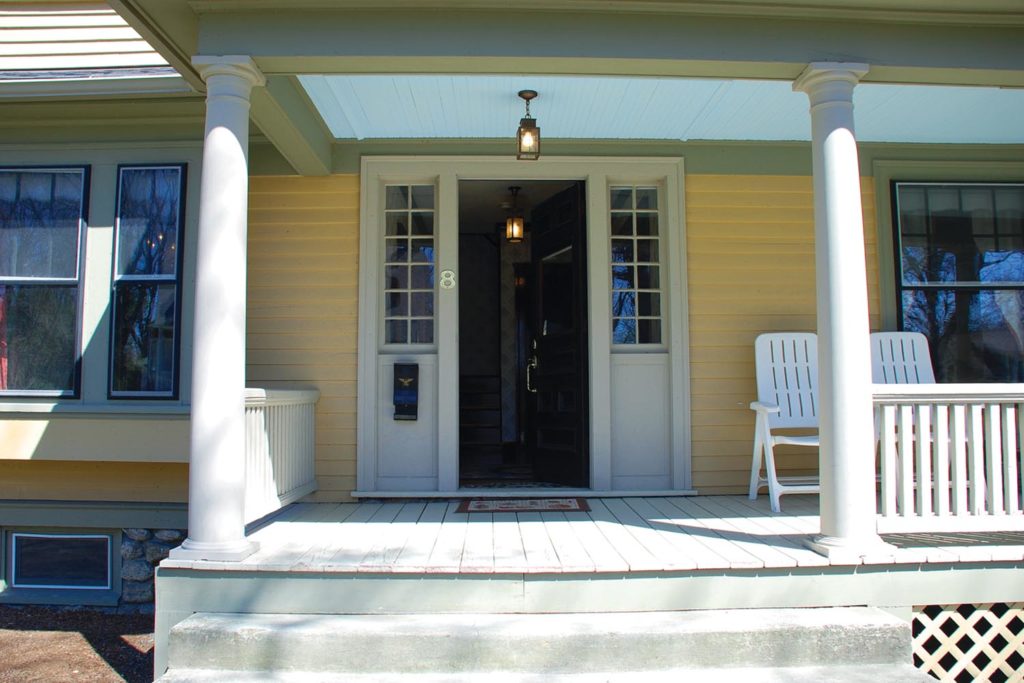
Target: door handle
pixel 530 365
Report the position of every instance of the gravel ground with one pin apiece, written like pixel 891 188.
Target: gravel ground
pixel 60 644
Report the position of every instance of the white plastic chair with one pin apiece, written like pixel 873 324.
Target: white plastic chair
pixel 787 397
pixel 901 358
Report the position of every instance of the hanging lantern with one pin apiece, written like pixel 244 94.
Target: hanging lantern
pixel 528 135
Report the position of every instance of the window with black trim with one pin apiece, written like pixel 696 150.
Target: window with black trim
pixel 147 281
pixel 42 221
pixel 960 276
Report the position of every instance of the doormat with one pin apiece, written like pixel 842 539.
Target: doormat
pixel 524 505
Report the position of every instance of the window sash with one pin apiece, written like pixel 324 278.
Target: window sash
pixel 35 283
pixel 637 267
pixel 144 352
pixel 15 583
pixel 409 265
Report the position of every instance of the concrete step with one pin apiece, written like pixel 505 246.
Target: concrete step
pixel 872 673
pixel 520 645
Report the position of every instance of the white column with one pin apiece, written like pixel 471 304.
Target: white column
pixel 846 460
pixel 216 495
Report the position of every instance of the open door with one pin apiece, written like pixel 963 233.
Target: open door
pixel 557 381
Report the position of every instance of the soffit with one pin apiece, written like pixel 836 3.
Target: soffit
pixel 597 108
pixel 975 12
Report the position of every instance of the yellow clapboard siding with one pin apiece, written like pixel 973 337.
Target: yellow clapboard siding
pixel 57 480
pixel 303 304
pixel 750 252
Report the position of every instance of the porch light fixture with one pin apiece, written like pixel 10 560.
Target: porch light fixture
pixel 528 135
pixel 515 224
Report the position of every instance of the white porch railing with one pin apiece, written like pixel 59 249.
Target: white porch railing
pixel 950 456
pixel 279 448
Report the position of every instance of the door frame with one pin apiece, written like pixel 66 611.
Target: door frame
pixel 445 173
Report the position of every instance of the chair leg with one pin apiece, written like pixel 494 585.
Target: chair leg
pixel 755 467
pixel 774 488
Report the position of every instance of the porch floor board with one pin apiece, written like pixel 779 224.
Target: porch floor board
pixel 617 535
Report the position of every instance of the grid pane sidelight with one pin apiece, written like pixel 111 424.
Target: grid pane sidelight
pixel 635 265
pixel 409 244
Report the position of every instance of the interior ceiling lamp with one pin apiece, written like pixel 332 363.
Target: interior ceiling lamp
pixel 515 225
pixel 528 135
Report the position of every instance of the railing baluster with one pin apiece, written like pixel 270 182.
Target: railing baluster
pixel 976 458
pixel 1011 474
pixel 993 460
pixel 923 433
pixel 887 439
pixel 940 448
pixel 959 460
pixel 906 455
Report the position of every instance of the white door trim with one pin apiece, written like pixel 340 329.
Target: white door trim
pixel 445 173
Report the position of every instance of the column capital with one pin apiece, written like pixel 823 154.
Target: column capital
pixel 241 66
pixel 819 75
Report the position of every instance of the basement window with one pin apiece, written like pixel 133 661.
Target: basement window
pixel 64 561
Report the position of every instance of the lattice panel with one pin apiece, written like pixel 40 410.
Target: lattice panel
pixel 967 643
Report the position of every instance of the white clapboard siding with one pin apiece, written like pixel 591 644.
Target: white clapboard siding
pixel 70 37
pixel 951 457
pixel 279 448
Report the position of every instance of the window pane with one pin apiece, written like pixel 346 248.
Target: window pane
pixel 647 277
pixel 422 332
pixel 396 331
pixel 622 277
pixel 647 224
pixel 622 251
pixel 623 304
pixel 396 197
pixel 37 337
pixel 647 251
pixel 397 304
pixel 649 303
pixel 422 277
pixel 423 224
pixel 975 336
pixel 148 214
pixel 622 198
pixel 397 224
pixel 423 251
pixel 647 198
pixel 649 331
pixel 422 303
pixel 397 251
pixel 61 561
pixel 40 214
pixel 423 196
pixel 396 277
pixel 622 224
pixel 144 332
pixel 624 331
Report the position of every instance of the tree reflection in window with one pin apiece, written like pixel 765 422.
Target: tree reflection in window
pixel 146 281
pixel 961 259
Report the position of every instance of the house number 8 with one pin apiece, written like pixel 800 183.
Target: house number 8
pixel 447 279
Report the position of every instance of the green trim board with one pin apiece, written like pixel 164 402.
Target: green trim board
pixel 88 514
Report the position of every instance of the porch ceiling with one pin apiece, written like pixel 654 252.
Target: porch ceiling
pixel 608 108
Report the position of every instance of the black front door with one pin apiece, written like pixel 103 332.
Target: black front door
pixel 557 388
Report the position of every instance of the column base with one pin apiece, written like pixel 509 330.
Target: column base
pixel 860 550
pixel 234 551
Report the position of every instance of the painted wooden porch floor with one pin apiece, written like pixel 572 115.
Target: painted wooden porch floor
pixel 617 535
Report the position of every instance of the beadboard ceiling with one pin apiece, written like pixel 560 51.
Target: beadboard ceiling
pixel 365 107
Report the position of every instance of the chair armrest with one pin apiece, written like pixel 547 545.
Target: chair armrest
pixel 764 407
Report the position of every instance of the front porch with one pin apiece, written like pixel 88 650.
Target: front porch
pixel 636 554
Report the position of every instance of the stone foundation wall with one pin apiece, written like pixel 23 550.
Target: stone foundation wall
pixel 141 552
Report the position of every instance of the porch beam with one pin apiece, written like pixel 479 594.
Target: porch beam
pixel 287 119
pixel 216 511
pixel 846 456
